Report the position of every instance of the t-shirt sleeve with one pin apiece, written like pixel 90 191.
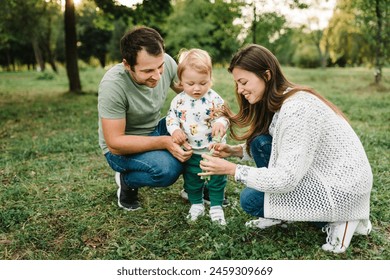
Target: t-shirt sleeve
pixel 171 67
pixel 111 103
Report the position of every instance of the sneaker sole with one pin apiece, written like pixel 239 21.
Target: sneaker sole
pixel 123 207
pixel 264 224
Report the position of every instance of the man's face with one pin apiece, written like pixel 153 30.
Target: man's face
pixel 148 69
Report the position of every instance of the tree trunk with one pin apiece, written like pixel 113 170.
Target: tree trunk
pixel 47 47
pixel 72 69
pixel 379 42
pixel 38 55
pixel 254 23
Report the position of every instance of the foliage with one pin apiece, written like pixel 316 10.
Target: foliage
pixel 352 33
pixel 120 27
pixel 94 30
pixel 153 14
pixel 203 24
pixel 345 39
pixel 58 196
pixel 373 19
pixel 306 56
pixel 32 31
pixel 268 28
pixel 27 24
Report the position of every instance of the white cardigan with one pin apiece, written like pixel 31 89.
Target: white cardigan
pixel 318 169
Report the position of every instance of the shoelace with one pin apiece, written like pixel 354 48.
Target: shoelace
pixel 328 229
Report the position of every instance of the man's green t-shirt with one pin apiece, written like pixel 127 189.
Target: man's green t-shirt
pixel 120 97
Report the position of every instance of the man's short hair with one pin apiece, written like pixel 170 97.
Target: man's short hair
pixel 140 38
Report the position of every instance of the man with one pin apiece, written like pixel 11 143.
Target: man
pixel 134 140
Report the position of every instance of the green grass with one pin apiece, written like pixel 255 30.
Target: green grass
pixel 58 196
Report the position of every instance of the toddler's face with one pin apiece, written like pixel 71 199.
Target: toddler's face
pixel 194 83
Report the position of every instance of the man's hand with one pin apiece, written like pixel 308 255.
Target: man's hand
pixel 177 151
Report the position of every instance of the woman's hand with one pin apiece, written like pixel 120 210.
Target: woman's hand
pixel 225 150
pixel 216 166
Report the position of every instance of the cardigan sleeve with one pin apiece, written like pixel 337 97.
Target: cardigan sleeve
pixel 297 134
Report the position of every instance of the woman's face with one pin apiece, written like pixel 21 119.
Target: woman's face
pixel 249 85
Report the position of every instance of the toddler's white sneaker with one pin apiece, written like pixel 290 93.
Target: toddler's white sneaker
pixel 195 212
pixel 217 215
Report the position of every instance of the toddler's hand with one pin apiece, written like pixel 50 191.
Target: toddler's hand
pixel 218 129
pixel 179 137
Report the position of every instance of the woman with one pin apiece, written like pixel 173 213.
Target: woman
pixel 311 166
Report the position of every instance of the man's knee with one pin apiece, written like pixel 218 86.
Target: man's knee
pixel 168 173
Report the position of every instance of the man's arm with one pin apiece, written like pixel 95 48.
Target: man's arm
pixel 121 144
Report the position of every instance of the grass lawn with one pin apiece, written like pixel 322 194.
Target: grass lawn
pixel 58 195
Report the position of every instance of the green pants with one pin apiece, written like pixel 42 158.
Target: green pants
pixel 193 184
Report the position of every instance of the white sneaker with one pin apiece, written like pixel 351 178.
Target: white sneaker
pixel 217 215
pixel 262 223
pixel 363 228
pixel 195 212
pixel 339 235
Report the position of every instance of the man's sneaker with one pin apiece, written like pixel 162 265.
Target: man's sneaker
pixel 195 212
pixel 363 228
pixel 217 215
pixel 127 197
pixel 262 223
pixel 206 197
pixel 339 235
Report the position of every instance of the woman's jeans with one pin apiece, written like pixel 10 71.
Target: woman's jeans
pixel 252 201
pixel 154 168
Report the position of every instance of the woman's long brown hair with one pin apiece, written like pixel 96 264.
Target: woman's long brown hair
pixel 256 118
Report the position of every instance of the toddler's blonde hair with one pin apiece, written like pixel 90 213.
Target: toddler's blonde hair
pixel 196 59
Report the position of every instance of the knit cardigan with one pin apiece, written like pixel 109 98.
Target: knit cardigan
pixel 318 169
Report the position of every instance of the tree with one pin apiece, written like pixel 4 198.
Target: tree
pixel 26 25
pixel 206 25
pixel 358 33
pixel 72 69
pixel 94 29
pixel 120 27
pixel 154 14
pixel 373 18
pixel 344 38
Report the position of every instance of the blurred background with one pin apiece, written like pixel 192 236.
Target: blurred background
pixel 37 34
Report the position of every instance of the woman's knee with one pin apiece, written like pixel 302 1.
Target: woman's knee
pixel 261 149
pixel 252 202
pixel 261 143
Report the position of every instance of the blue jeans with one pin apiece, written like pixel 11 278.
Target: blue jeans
pixel 252 201
pixel 154 168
